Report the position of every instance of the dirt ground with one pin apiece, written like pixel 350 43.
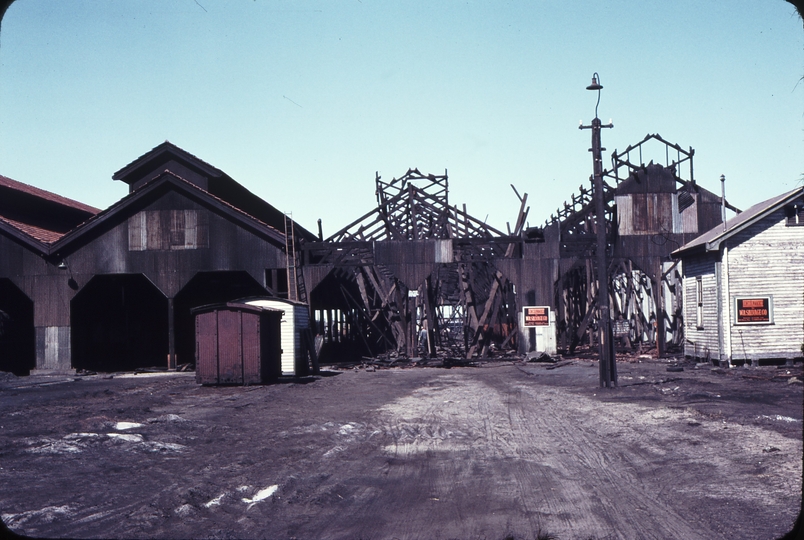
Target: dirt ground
pixel 501 450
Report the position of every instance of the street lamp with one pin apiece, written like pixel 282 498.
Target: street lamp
pixel 608 365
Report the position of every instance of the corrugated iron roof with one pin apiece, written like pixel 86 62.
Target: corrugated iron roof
pixel 711 239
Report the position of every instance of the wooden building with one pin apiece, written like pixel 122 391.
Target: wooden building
pixel 650 211
pixel 115 292
pixel 744 285
pixel 295 323
pixel 416 276
pixel 418 266
pixel 31 220
pixel 237 344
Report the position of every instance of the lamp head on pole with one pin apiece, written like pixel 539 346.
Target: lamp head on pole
pixel 595 84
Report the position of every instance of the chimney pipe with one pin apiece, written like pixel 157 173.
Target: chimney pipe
pixel 723 199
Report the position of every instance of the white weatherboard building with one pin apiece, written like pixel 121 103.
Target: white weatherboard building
pixel 744 285
pixel 294 322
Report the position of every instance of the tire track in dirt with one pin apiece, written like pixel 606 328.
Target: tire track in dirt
pixel 464 453
pixel 535 448
pixel 620 454
pixel 615 503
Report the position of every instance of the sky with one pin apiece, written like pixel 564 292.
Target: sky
pixel 303 102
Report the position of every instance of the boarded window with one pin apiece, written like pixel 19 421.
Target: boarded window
pixel 643 210
pixel 652 212
pixel 137 239
pixel 699 303
pixel 155 230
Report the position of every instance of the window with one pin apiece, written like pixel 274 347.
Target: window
pixel 795 214
pixel 699 303
pixel 154 230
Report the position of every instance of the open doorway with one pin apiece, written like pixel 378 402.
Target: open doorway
pixel 207 288
pixel 17 337
pixel 119 323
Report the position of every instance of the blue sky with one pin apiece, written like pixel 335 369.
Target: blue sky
pixel 302 102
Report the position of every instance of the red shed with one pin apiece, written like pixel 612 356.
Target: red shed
pixel 237 344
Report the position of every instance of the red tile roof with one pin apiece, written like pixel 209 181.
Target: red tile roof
pixel 46 195
pixel 37 233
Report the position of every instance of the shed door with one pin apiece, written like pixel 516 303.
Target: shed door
pixel 206 348
pixel 251 348
pixel 230 364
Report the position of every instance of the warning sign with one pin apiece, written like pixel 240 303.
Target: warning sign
pixel 753 310
pixel 537 316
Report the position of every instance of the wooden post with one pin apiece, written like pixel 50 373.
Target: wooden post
pixel 660 337
pixel 171 359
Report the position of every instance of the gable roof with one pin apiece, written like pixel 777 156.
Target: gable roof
pixel 170 180
pixel 29 216
pixel 711 240
pixel 163 153
pixel 37 233
pixel 8 183
pixel 36 217
pixel 211 179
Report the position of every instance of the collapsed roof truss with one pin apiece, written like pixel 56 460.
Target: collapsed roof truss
pixel 414 206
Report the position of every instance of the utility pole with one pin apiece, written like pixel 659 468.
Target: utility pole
pixel 608 365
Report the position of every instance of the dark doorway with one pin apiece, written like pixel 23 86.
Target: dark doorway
pixel 17 337
pixel 119 323
pixel 340 317
pixel 207 288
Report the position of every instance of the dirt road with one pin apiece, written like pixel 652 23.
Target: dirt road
pixel 505 450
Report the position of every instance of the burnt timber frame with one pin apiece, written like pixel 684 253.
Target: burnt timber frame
pixel 425 271
pixel 643 283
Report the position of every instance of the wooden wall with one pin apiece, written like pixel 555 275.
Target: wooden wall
pixel 767 259
pixel 701 342
pixel 169 262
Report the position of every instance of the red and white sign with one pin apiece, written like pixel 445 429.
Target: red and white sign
pixel 536 316
pixel 753 310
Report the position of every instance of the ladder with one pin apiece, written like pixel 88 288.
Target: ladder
pixel 296 290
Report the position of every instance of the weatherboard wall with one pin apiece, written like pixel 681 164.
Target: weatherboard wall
pixel 170 265
pixel 767 259
pixel 702 341
pixel 295 320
